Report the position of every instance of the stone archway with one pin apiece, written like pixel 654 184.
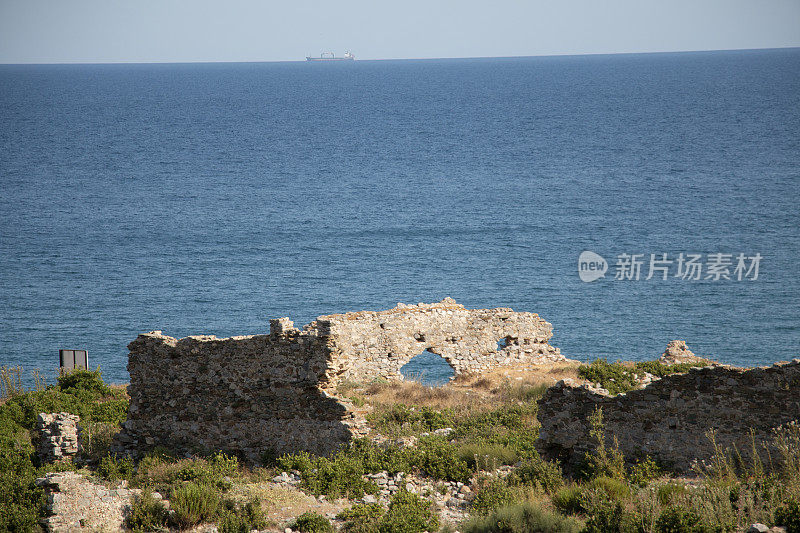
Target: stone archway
pixel 428 368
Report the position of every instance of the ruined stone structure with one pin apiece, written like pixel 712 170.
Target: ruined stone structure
pixel 57 436
pixel 276 392
pixel 77 503
pixel 669 419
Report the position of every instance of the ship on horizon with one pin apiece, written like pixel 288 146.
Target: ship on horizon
pixel 330 56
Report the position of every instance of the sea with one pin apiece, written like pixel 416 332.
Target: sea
pixel 208 198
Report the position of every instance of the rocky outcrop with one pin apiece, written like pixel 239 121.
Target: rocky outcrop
pixel 669 420
pixel 276 392
pixel 677 352
pixel 57 436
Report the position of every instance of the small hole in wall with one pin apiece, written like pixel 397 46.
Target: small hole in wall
pixel 429 369
pixel 502 343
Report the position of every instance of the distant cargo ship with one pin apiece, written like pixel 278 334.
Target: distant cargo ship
pixel 330 56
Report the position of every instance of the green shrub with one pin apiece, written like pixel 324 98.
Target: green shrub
pixel 79 380
pixel 239 518
pixel 522 518
pixel 193 503
pixel 614 377
pixel 604 460
pixel 20 500
pixel 147 513
pixel 659 369
pixel 408 513
pixel 788 516
pixel 112 468
pixel 614 489
pixel 341 474
pixel 214 470
pixel 642 472
pixel 539 473
pixel 492 494
pixel 606 515
pixel 568 499
pixel 90 405
pixel 670 493
pixel 311 522
pixel 362 518
pixel 676 519
pixel 480 456
pixel 401 419
pixel 439 459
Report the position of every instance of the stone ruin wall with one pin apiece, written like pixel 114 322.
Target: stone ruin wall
pixel 368 345
pixel 276 392
pixel 669 418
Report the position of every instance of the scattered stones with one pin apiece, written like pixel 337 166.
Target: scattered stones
pixel 58 436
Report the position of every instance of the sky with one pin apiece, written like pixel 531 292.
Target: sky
pixel 108 31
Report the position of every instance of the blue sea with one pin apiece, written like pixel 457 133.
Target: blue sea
pixel 208 198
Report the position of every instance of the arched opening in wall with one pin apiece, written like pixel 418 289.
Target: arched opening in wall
pixel 429 369
pixel 505 342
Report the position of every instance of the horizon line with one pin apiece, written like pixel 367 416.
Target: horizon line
pixel 201 61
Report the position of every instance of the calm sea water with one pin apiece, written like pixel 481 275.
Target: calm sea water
pixel 207 198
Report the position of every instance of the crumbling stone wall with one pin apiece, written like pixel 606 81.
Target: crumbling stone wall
pixel 367 345
pixel 669 419
pixel 276 392
pixel 57 436
pixel 76 503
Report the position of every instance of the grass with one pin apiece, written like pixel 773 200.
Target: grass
pixel 492 422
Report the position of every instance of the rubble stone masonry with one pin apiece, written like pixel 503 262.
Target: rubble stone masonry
pixel 669 420
pixel 276 393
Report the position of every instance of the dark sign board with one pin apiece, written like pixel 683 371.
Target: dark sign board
pixel 71 359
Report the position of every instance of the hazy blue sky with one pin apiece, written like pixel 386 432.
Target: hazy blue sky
pixel 46 31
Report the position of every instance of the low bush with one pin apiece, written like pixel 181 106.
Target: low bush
pixel 408 513
pixel 613 489
pixel 83 381
pixel 238 518
pixel 439 459
pixel 480 456
pixel 112 468
pixel 568 499
pixel 538 473
pixel 617 377
pixel 162 471
pixel 675 519
pixel 643 472
pixel 362 518
pixel 614 377
pixel 193 503
pixel 788 516
pixel 340 475
pixel 311 522
pixel 492 493
pixel 659 369
pixel 401 419
pixel 522 518
pixel 670 493
pixel 147 513
pixel 606 515
pixel 603 461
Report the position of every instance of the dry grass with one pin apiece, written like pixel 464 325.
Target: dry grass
pixel 475 392
pixel 282 504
